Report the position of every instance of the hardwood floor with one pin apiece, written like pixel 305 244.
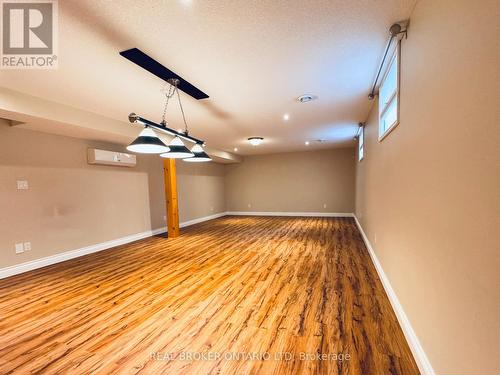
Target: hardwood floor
pixel 234 288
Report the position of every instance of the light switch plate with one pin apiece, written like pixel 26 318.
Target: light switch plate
pixel 19 248
pixel 27 246
pixel 22 185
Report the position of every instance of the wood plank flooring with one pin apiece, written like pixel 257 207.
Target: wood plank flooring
pixel 235 295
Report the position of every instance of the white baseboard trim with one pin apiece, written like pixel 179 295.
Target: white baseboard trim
pixel 71 254
pixel 61 257
pixel 202 219
pixel 300 214
pixel 421 358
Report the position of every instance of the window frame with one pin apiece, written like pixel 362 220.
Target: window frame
pixel 361 144
pixel 382 134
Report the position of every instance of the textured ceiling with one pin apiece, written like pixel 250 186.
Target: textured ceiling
pixel 252 57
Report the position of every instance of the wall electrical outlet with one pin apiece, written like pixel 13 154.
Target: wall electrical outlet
pixel 27 246
pixel 22 185
pixel 19 248
pixel 324 205
pixel 249 205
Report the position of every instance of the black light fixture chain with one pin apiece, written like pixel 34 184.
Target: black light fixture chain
pixel 182 111
pixel 168 95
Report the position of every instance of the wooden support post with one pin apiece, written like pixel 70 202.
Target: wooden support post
pixel 171 198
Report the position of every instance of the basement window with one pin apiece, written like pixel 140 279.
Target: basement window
pixel 361 143
pixel 388 100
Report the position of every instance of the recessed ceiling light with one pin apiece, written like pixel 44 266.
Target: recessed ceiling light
pixel 306 143
pixel 235 149
pixel 307 98
pixel 255 141
pixel 286 116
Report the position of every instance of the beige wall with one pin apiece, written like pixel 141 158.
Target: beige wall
pixel 428 195
pixel 200 189
pixel 71 204
pixel 293 182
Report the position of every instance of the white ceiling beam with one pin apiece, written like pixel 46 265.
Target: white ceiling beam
pixel 39 114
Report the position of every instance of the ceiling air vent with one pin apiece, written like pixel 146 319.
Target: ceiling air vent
pixel 306 98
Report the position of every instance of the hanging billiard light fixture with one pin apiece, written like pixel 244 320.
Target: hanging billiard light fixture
pixel 148 143
pixel 176 148
pixel 199 154
pixel 199 158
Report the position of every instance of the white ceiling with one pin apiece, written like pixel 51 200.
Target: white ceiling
pixel 252 57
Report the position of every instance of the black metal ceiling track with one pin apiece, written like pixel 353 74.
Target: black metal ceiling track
pixel 151 65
